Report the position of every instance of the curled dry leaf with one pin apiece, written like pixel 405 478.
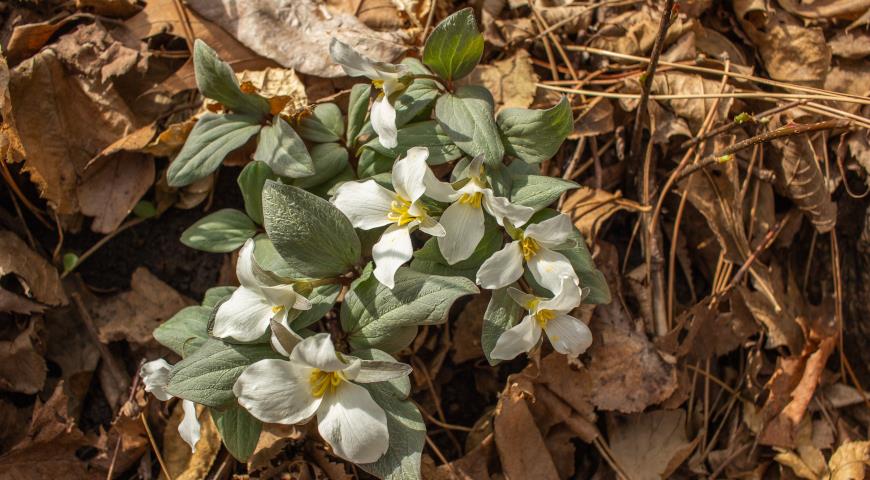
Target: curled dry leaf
pixel 634 31
pixel 180 461
pixel 649 445
pixel 134 315
pixel 520 445
pixel 37 277
pixel 283 88
pixel 851 44
pixel 113 189
pixel 22 368
pixel 589 208
pixel 297 34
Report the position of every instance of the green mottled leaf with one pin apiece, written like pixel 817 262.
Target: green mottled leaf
pixel 535 135
pixel 501 314
pixel 251 182
pixel 330 159
pixel 281 148
pixel 217 81
pixel 325 125
pixel 186 331
pixel 211 140
pixel 455 46
pixel 466 117
pixel 538 191
pixel 221 231
pixel 239 431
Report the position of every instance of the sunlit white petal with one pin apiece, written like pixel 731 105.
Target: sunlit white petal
pixel 374 371
pixel 568 297
pixel 317 351
pixel 277 391
pixel 244 317
pixel 438 190
pixel 408 174
pixel 366 204
pixel 353 424
pixel 246 264
pixel 568 335
pixel 356 65
pixel 502 268
pixel 464 224
pixel 522 298
pixel 383 117
pixel 521 338
pixel 189 428
pixel 548 268
pixel 501 208
pixel 432 227
pixel 286 296
pixel 551 232
pixel 155 377
pixel 392 251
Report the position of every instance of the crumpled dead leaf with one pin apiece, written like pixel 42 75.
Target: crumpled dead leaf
pixel 520 445
pixel 22 368
pixel 273 439
pixel 134 315
pixel 38 278
pixel 113 189
pixel 851 44
pixel 296 33
pixel 649 445
pixel 511 81
pixel 283 88
pixel 633 32
pixel 467 330
pixel 181 463
pixel 589 208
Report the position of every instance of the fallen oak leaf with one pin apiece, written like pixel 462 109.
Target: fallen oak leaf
pixel 518 441
pixel 650 445
pixel 589 208
pixel 511 81
pixel 37 277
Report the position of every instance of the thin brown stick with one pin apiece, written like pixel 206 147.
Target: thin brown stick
pixel 154 445
pixel 725 127
pixel 441 457
pixel 646 83
pixel 726 154
pixel 101 242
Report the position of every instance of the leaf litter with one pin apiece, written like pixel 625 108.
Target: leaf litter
pixel 763 251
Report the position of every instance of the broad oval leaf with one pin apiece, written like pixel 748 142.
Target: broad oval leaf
pixel 330 159
pixel 501 314
pixel 312 236
pixel 535 135
pixel 322 300
pixel 219 232
pixel 538 191
pixel 357 108
pixel 466 117
pixel 239 431
pixel 211 140
pixel 251 182
pixel 217 81
pixel 421 134
pixel 324 125
pixel 372 313
pixel 208 375
pixel 455 46
pixel 281 148
pixel 186 331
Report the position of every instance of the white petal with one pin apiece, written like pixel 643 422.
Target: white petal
pixel 246 264
pixel 283 339
pixel 353 424
pixel 244 317
pixel 317 351
pixel 568 335
pixel 155 377
pixel 568 297
pixel 432 227
pixel 551 232
pixel 522 298
pixel 438 190
pixel 548 268
pixel 392 251
pixel 465 227
pixel 374 371
pixel 189 427
pixel 502 268
pixel 384 122
pixel 285 296
pixel 408 173
pixel 475 168
pixel 356 65
pixel 521 338
pixel 366 204
pixel 277 391
pixel 501 208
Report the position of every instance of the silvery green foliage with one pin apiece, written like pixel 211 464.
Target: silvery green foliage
pixel 331 195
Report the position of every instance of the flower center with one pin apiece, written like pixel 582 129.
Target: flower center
pixel 399 212
pixel 379 84
pixel 530 247
pixel 544 316
pixel 321 382
pixel 277 308
pixel 472 199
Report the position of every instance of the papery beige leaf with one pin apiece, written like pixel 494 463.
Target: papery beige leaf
pixel 520 446
pixel 650 445
pixel 511 81
pixel 850 461
pixel 851 44
pixel 791 51
pixel 589 208
pixel 38 278
pixel 181 463
pixel 633 32
pixel 827 9
pixel 112 190
pixel 283 88
pixel 297 34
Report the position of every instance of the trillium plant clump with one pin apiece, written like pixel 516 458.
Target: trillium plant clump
pixel 359 226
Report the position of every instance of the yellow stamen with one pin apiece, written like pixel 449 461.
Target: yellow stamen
pixel 544 316
pixel 473 199
pixel 379 84
pixel 322 381
pixel 277 308
pixel 399 212
pixel 530 247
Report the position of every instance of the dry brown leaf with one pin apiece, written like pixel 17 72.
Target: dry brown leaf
pixel 180 461
pixel 74 350
pixel 283 88
pixel 27 39
pixel 297 34
pixel 109 8
pixel 799 176
pixel 467 330
pixel 22 368
pixel 589 208
pixel 791 52
pixel 692 110
pixel 520 446
pixel 111 191
pixel 273 439
pixel 597 119
pixel 49 448
pixel 472 466
pixel 10 302
pixel 827 9
pixel 701 333
pixel 13 424
pixel 134 315
pixel 511 81
pixel 38 278
pixel 380 14
pixel 130 432
pixel 650 445
pixel 99 54
pixel 850 461
pixel 633 32
pixel 852 44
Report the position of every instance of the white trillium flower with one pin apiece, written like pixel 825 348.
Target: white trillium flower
pixel 567 334
pixel 369 205
pixel 385 76
pixel 245 316
pixel 535 247
pixel 155 377
pixel 463 219
pixel 318 381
